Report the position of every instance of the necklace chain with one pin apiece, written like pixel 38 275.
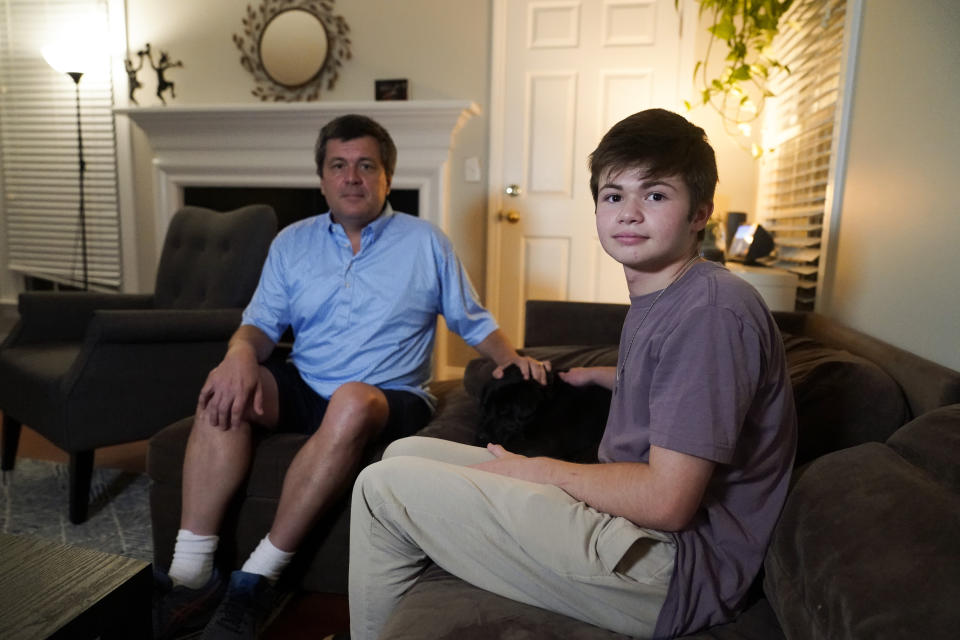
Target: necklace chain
pixel 623 364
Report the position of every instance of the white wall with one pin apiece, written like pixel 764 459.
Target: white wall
pixel 897 263
pixel 441 47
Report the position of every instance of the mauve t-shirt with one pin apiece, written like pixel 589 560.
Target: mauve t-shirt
pixel 706 376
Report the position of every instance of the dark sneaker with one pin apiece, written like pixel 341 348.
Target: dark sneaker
pixel 247 607
pixel 178 610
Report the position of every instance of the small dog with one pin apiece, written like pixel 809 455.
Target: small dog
pixel 556 420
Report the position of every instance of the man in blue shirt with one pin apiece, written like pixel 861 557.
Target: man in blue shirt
pixel 361 287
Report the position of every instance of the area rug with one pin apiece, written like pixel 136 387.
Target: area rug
pixel 33 502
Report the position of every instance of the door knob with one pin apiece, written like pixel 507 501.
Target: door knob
pixel 512 190
pixel 510 216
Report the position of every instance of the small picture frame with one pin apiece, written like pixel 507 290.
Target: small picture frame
pixel 391 89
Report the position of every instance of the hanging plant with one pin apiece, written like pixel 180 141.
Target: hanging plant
pixel 746 29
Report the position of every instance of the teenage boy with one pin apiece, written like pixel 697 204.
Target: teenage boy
pixel 361 287
pixel 665 536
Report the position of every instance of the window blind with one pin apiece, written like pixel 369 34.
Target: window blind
pixel 38 138
pixel 798 137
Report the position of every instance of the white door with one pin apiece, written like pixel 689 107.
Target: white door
pixel 563 72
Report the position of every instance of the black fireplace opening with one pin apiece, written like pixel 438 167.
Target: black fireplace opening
pixel 290 203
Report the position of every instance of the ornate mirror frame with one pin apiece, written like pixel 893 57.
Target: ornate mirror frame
pixel 255 23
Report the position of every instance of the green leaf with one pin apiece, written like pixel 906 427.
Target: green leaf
pixel 724 29
pixel 741 73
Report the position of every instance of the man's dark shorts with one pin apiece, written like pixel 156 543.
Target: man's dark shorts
pixel 302 409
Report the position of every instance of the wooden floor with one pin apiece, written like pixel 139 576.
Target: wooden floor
pixel 307 615
pixel 129 457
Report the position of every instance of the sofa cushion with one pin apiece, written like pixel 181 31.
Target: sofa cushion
pixel 469 613
pixel 842 399
pixel 866 545
pixel 932 442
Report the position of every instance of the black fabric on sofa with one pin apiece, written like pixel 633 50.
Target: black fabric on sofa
pixel 442 606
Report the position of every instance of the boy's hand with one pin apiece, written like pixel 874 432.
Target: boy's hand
pixel 577 376
pixel 584 376
pixel 506 463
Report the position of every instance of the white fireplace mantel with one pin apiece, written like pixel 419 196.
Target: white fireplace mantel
pixel 272 145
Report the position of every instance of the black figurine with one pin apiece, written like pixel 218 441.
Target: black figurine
pixel 162 83
pixel 132 81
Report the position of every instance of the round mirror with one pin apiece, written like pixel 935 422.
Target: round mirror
pixel 293 47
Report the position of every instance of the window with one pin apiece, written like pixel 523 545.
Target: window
pixel 801 138
pixel 40 161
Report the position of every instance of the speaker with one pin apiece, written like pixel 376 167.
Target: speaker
pixel 750 242
pixel 732 222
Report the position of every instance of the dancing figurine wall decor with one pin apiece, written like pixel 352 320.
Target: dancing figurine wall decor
pixel 133 83
pixel 161 68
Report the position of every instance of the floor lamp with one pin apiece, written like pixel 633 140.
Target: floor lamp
pixel 63 64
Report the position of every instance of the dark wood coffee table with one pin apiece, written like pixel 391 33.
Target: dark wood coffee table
pixel 51 590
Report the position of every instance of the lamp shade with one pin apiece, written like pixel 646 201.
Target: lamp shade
pixel 67 58
pixel 79 47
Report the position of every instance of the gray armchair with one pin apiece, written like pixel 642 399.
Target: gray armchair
pixel 88 370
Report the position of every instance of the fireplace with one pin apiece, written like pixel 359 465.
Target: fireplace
pixel 289 203
pixel 270 147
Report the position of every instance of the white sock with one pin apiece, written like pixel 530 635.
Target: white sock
pixel 192 563
pixel 268 561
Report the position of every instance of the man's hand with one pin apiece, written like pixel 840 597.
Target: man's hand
pixel 497 347
pixel 529 368
pixel 229 388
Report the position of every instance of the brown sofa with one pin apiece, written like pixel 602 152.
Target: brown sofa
pixel 833 569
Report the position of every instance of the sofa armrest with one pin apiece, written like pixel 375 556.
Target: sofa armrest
pixel 164 325
pixel 927 385
pixel 63 316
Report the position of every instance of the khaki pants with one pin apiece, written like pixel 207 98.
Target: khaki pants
pixel 525 541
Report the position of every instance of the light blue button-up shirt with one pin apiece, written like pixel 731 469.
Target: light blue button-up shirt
pixel 369 317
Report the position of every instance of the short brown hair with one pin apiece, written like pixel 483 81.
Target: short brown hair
pixel 350 127
pixel 663 142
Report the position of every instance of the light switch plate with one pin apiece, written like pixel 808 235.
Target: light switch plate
pixel 471 169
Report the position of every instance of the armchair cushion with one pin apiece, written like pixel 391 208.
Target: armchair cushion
pixel 201 253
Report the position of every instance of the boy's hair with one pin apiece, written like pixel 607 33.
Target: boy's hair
pixel 663 142
pixel 350 127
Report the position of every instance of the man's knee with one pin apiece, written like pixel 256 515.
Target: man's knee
pixel 357 406
pixel 204 431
